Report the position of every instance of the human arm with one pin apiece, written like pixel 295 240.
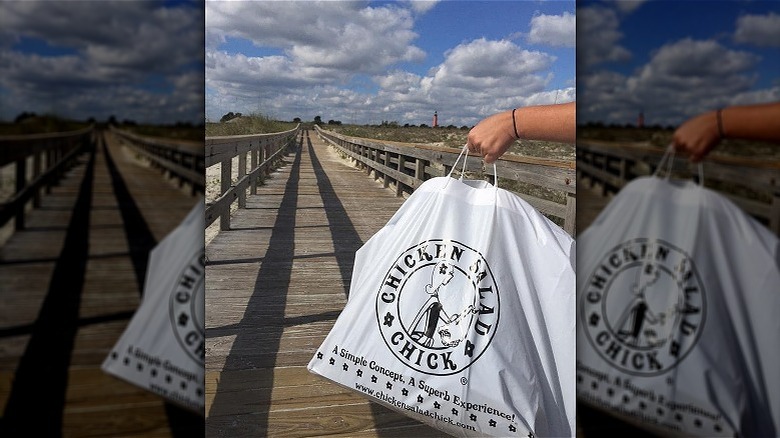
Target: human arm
pixel 700 134
pixel 492 136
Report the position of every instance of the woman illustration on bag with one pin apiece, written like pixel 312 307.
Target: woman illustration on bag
pixel 426 323
pixel 631 322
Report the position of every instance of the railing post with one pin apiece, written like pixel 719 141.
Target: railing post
pixel 623 170
pixel 570 221
pixel 253 165
pixel 266 153
pixel 21 180
pixel 401 168
pixel 419 170
pixel 385 176
pixel 369 168
pixel 49 164
pixel 241 174
pixel 226 175
pixel 604 168
pixel 36 173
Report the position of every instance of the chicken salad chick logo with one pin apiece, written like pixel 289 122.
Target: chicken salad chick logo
pixel 438 307
pixel 187 308
pixel 643 307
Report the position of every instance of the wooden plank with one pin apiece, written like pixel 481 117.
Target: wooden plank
pixel 275 284
pixel 95 404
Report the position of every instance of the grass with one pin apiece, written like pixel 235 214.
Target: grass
pixel 662 137
pixel 41 125
pixel 176 132
pixel 456 138
pixel 452 137
pixel 244 125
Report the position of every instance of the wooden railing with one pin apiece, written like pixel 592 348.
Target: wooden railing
pixel 182 160
pixel 406 166
pixel 752 184
pixel 48 156
pixel 264 150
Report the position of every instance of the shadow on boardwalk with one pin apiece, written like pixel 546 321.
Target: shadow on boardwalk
pixel 263 388
pixel 65 309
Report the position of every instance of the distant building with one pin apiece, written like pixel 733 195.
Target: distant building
pixel 435 119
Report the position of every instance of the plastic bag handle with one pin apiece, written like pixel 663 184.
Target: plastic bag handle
pixel 463 169
pixel 668 156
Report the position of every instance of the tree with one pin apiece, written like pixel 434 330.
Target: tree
pixel 229 116
pixel 297 120
pixel 24 115
pixel 318 119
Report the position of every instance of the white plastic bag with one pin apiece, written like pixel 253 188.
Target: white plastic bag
pixel 461 315
pixel 162 349
pixel 678 294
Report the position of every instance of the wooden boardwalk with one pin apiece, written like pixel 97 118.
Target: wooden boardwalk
pixel 275 283
pixel 71 281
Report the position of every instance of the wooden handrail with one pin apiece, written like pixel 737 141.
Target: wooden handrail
pixel 184 160
pixel 752 184
pixel 407 165
pixel 265 150
pixel 48 155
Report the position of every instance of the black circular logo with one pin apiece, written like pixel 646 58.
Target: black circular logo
pixel 187 308
pixel 643 307
pixel 438 307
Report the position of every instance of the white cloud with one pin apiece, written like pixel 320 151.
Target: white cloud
pixel 422 6
pixel 598 37
pixel 681 79
pixel 627 6
pixel 338 35
pixel 310 59
pixel 553 30
pixel 758 30
pixel 115 50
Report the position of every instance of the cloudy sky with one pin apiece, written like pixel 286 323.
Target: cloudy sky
pixel 674 59
pixel 78 59
pixel 364 62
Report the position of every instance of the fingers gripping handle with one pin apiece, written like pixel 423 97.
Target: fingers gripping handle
pixel 465 161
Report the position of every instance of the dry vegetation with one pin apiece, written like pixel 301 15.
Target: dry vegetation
pixel 441 136
pixel 661 137
pixel 452 137
pixel 176 132
pixel 252 124
pixel 40 125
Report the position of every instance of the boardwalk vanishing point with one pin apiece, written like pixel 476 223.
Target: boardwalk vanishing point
pixel 275 284
pixel 72 279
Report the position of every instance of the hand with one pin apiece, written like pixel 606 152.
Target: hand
pixel 492 136
pixel 697 136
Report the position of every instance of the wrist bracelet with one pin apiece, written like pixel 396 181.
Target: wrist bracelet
pixel 514 124
pixel 720 123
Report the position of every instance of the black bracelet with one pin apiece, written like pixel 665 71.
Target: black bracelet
pixel 514 124
pixel 720 123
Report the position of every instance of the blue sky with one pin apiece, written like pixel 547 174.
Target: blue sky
pixel 675 59
pixel 365 62
pixel 135 60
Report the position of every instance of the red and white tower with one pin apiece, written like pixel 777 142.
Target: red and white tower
pixel 435 119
